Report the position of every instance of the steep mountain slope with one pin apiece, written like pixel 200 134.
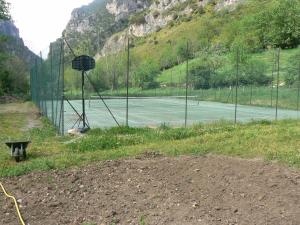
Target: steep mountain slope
pixel 102 26
pixel 15 61
pixel 91 25
pixel 13 43
pixel 215 29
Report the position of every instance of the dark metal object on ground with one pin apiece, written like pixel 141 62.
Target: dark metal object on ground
pixel 18 149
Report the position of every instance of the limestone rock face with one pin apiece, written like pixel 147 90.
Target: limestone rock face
pixel 101 27
pixel 228 3
pixel 124 8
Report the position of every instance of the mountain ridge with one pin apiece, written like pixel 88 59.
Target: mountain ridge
pixel 101 26
pixel 14 44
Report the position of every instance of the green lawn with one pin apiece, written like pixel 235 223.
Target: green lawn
pixel 278 141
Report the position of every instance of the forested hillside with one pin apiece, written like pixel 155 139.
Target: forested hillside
pixel 15 58
pixel 159 32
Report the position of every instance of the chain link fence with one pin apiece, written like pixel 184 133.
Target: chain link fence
pixel 182 85
pixel 47 84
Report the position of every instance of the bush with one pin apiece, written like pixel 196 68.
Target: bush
pixel 201 76
pixel 255 73
pixel 146 73
pixel 151 85
pixel 138 19
pixel 293 70
pixel 5 83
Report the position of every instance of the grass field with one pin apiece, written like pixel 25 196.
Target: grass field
pixel 268 140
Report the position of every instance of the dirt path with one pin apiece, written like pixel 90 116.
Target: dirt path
pixel 186 190
pixel 27 109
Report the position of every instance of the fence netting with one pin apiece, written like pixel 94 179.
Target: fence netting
pixel 184 84
pixel 47 84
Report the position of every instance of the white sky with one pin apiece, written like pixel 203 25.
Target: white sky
pixel 42 21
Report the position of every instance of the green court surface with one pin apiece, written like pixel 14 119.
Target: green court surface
pixel 153 112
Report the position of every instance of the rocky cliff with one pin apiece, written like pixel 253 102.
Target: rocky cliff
pixel 90 26
pixel 102 27
pixel 157 15
pixel 123 8
pixel 13 44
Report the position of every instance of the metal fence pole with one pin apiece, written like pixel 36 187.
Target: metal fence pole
pixel 58 91
pixel 251 93
pixel 186 83
pixel 236 84
pixel 35 82
pixel 278 73
pixel 127 81
pixel 83 100
pixel 273 71
pixel 40 85
pixel 63 87
pixel 298 93
pixel 52 82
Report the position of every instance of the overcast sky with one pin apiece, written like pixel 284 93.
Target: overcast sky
pixel 42 21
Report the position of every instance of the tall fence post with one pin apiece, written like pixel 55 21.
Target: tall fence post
pixel 277 90
pixel 35 82
pixel 273 71
pixel 236 84
pixel 59 94
pixel 251 93
pixel 127 81
pixel 186 83
pixel 41 85
pixel 298 94
pixel 63 87
pixel 52 81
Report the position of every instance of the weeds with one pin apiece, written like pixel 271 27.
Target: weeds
pixel 142 221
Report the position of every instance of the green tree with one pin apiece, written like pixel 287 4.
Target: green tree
pixel 205 75
pixel 5 82
pixel 146 73
pixel 201 76
pixel 254 73
pixel 278 23
pixel 293 71
pixel 4 10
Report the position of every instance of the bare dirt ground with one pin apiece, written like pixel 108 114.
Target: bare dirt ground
pixel 152 189
pixel 27 109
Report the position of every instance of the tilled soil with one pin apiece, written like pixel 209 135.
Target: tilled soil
pixel 158 190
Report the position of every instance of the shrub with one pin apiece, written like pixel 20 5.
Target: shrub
pixel 151 85
pixel 156 14
pixel 138 19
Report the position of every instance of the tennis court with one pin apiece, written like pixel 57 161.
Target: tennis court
pixel 153 112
